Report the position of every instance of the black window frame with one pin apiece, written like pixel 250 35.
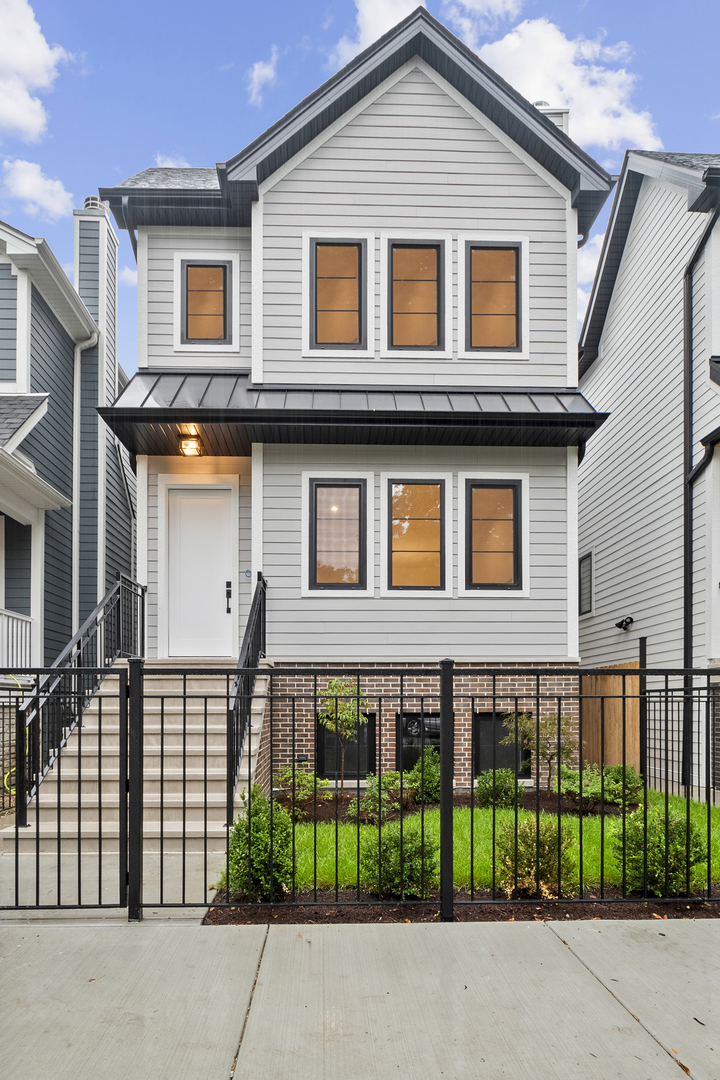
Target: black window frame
pixel 480 245
pixel 439 245
pixel 587 610
pixel 517 582
pixel 339 586
pixel 325 241
pixel 321 732
pixel 443 525
pixel 227 306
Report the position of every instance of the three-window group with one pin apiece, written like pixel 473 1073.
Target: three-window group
pixel 416 534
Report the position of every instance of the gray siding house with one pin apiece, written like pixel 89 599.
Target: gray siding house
pixel 66 486
pixel 357 372
pixel 650 356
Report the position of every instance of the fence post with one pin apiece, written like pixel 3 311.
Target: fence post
pixel 447 774
pixel 642 662
pixel 135 790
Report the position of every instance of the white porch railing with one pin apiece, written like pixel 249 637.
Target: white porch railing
pixel 15 639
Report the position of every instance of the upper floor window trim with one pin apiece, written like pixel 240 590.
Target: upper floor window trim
pixel 229 262
pixel 467 242
pixel 334 290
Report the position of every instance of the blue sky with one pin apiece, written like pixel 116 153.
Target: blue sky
pixel 91 93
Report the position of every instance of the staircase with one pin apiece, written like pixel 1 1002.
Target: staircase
pixel 185 769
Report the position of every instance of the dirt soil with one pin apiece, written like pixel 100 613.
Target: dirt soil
pixel 335 808
pixel 345 910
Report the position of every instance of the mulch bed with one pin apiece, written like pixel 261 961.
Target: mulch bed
pixel 335 808
pixel 343 910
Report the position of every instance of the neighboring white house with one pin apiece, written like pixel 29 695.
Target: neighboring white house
pixel 650 356
pixel 357 372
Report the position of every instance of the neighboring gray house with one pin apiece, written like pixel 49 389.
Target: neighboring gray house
pixel 66 486
pixel 357 372
pixel 650 356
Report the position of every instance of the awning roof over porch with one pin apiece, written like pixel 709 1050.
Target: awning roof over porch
pixel 230 414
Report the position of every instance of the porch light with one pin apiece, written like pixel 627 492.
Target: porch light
pixel 191 445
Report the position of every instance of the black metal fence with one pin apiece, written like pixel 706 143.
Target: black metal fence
pixel 441 785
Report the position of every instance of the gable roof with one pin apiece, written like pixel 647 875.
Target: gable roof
pixel 168 196
pixel 699 174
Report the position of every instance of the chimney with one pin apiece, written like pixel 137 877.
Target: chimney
pixel 560 117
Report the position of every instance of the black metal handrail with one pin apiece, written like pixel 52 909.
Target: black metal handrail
pixel 243 687
pixel 54 706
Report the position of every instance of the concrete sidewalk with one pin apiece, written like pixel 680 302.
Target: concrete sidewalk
pixel 557 1001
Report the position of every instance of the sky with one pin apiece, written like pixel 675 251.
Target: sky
pixel 92 93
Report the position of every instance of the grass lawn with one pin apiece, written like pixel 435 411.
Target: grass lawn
pixel 347 851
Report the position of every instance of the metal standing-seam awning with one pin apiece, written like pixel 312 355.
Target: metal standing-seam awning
pixel 229 414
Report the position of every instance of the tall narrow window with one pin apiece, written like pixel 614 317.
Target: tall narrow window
pixel 206 302
pixel 338 318
pixel 493 285
pixel 493 535
pixel 337 549
pixel 416 548
pixel 415 296
pixel 585 575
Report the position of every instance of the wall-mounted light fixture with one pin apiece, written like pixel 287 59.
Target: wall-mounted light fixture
pixel 191 445
pixel 625 623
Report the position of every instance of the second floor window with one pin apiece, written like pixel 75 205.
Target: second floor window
pixel 338 319
pixel 415 296
pixel 493 320
pixel 206 302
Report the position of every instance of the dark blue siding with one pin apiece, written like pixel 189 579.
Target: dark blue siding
pixel 8 324
pixel 49 445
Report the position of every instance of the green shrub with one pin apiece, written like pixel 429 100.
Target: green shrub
pixel 383 874
pixel 675 840
pixel 614 784
pixel 537 839
pixel 260 857
pixel 381 798
pixel 424 777
pixel 597 787
pixel 308 788
pixel 498 787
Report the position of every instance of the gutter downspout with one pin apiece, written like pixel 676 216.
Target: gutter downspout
pixel 77 423
pixel 690 475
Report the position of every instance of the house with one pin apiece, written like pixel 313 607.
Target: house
pixel 357 372
pixel 66 485
pixel 649 500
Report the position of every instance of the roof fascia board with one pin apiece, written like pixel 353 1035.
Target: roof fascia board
pixel 48 275
pixel 28 486
pixel 249 164
pixel 26 427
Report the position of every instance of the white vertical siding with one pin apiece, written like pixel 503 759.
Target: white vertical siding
pixel 413 159
pixel 631 482
pixel 379 628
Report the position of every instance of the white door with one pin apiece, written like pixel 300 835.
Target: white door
pixel 200 568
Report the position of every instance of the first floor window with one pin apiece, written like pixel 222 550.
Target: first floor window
pixel 337 548
pixel 417 546
pixel 206 302
pixel 415 296
pixel 585 576
pixel 493 535
pixel 338 304
pixel 493 308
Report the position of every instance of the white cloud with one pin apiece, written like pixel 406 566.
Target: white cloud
pixel 539 61
pixel 374 18
pixel 165 161
pixel 262 73
pixel 27 63
pixel 470 17
pixel 39 195
pixel 128 276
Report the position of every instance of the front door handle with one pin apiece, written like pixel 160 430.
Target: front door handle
pixel 228 596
